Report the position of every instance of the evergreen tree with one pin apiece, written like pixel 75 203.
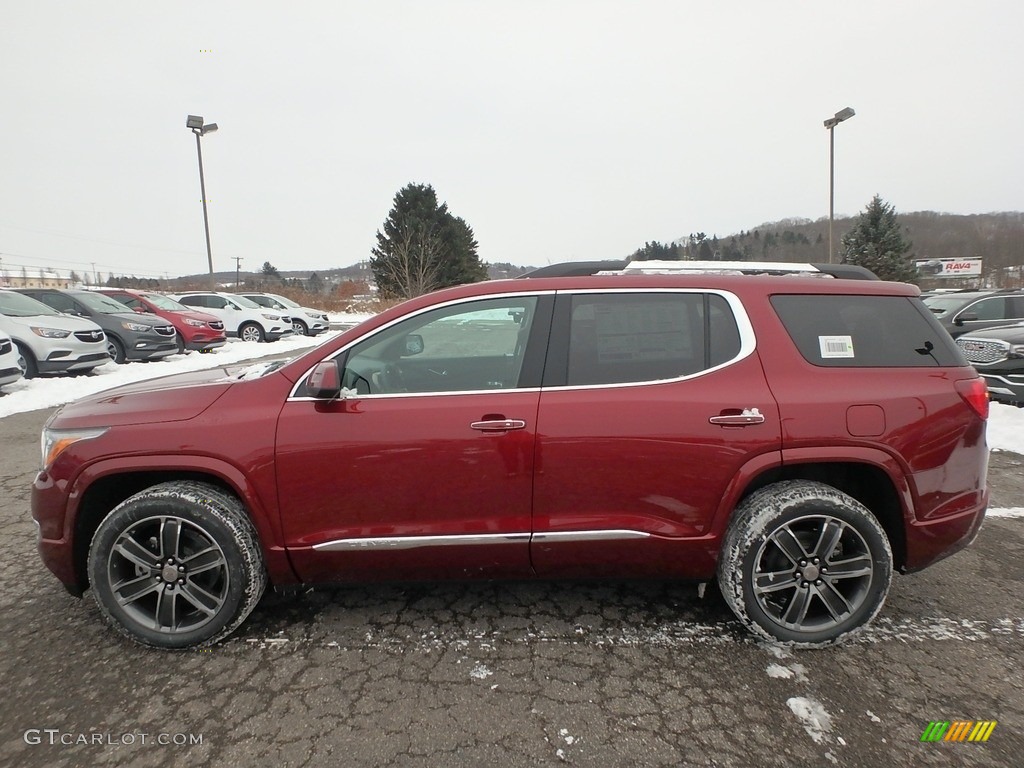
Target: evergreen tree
pixel 269 270
pixel 422 246
pixel 876 242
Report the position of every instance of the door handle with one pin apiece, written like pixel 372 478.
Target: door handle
pixel 748 416
pixel 498 425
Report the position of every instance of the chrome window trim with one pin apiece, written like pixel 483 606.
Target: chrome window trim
pixel 473 539
pixel 748 343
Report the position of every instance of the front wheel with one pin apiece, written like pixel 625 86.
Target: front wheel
pixel 116 350
pixel 27 362
pixel 251 332
pixel 804 564
pixel 299 328
pixel 177 565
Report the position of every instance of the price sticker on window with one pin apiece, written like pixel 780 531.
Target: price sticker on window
pixel 835 346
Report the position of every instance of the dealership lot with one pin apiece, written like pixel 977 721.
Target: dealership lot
pixel 516 674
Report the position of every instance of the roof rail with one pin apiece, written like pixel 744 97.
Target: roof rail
pixel 577 268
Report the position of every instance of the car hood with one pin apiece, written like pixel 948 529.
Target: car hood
pixel 1012 334
pixel 142 318
pixel 61 322
pixel 178 397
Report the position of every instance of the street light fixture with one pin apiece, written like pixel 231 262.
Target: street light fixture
pixel 195 124
pixel 831 123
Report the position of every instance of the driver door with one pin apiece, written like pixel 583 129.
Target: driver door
pixel 424 468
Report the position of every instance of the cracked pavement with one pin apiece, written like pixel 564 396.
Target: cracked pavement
pixel 512 674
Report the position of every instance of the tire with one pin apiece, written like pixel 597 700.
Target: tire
pixel 778 567
pixel 27 362
pixel 299 328
pixel 180 342
pixel 115 349
pixel 251 332
pixel 176 566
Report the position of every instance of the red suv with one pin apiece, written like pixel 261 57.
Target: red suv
pixel 194 330
pixel 797 438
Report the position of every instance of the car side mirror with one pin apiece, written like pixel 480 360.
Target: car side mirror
pixel 965 318
pixel 413 345
pixel 325 380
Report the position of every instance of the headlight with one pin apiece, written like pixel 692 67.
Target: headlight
pixel 275 318
pixel 54 441
pixel 194 323
pixel 1017 350
pixel 137 327
pixel 50 333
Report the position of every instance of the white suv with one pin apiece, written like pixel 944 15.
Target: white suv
pixel 49 341
pixel 242 318
pixel 305 320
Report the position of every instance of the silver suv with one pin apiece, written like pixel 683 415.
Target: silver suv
pixel 306 321
pixel 49 341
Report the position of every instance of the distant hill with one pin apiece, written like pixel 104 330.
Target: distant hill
pixel 998 238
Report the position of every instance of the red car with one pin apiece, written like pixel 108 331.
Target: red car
pixel 195 330
pixel 797 438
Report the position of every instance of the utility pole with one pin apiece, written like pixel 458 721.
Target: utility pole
pixel 238 267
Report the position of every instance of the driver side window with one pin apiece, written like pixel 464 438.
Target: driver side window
pixel 472 346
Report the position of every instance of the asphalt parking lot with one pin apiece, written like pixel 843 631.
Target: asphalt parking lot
pixel 521 674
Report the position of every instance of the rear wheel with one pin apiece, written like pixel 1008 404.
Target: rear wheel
pixel 177 565
pixel 805 564
pixel 27 362
pixel 251 332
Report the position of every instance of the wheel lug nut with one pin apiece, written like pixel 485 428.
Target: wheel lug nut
pixel 816 561
pixel 181 568
pixel 181 581
pixel 818 583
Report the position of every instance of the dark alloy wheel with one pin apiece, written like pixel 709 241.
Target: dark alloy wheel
pixel 804 564
pixel 177 565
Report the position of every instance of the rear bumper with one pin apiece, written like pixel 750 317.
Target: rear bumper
pixel 931 541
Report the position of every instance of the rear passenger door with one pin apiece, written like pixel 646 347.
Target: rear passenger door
pixel 652 402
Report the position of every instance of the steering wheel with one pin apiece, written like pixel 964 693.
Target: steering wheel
pixel 392 379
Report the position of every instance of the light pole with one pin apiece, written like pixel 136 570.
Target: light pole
pixel 831 123
pixel 195 123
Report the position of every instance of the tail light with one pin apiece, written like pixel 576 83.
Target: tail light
pixel 975 394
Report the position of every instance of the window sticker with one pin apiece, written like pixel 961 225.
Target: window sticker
pixel 836 346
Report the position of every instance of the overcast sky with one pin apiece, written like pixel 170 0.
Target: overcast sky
pixel 558 130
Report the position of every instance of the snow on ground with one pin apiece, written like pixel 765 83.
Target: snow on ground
pixel 1006 428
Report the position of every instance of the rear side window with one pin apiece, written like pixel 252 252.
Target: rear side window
pixel 842 331
pixel 618 338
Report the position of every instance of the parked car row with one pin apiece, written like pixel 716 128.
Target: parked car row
pixel 51 330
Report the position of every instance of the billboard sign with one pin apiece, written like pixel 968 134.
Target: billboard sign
pixel 949 267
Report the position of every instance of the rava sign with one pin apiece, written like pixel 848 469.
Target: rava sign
pixel 949 267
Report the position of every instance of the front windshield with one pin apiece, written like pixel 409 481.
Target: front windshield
pixel 18 305
pixel 105 305
pixel 286 301
pixel 163 302
pixel 246 303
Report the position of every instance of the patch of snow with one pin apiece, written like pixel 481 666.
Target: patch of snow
pixel 1006 512
pixel 812 715
pixel 874 718
pixel 564 733
pixel 1006 428
pixel 777 670
pixel 480 672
